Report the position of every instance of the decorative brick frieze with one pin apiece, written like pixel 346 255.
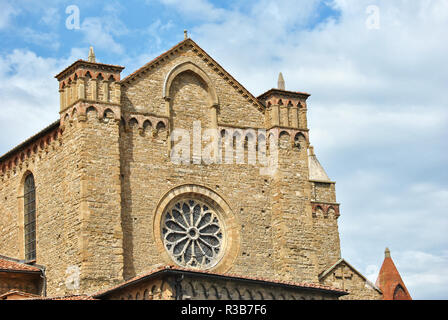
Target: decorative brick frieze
pixel 325 210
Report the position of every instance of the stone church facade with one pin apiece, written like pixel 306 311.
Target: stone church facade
pixel 100 195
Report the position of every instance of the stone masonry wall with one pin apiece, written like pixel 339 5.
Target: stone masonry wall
pixel 148 174
pixel 99 185
pixel 101 230
pixel 325 224
pixel 343 277
pixel 58 225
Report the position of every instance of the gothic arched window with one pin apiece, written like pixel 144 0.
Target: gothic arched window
pixel 30 217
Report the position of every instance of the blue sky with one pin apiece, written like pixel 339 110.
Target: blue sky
pixel 378 113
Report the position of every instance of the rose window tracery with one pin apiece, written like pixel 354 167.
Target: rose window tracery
pixel 192 234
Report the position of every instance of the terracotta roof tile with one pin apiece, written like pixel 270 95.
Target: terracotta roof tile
pixel 235 276
pixel 17 292
pixel 10 264
pixel 390 282
pixel 72 297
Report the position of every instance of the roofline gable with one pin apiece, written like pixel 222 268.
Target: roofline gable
pixel 206 58
pixel 326 272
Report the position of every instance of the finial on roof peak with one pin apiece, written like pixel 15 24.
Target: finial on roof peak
pixel 281 82
pixel 91 57
pixel 185 34
pixel 387 253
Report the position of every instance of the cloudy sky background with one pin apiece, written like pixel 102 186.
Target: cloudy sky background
pixel 378 113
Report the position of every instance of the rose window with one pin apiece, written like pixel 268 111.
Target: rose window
pixel 192 234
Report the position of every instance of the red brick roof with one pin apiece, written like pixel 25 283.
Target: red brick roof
pixel 17 292
pixel 390 282
pixel 72 297
pixel 10 264
pixel 234 276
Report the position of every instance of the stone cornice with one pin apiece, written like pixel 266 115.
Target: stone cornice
pixel 29 147
pixel 283 93
pixel 87 65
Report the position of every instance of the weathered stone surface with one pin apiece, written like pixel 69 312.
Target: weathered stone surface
pixel 103 173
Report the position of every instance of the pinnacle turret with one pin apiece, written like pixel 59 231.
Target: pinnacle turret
pixel 91 57
pixel 281 82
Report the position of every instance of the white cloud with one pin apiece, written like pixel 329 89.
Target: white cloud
pixel 100 33
pixel 51 17
pixel 197 9
pixel 7 11
pixel 46 39
pixel 29 94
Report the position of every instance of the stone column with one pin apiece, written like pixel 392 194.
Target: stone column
pixel 81 88
pixel 294 119
pixel 62 99
pixel 214 116
pixel 275 121
pixel 106 90
pixel 93 84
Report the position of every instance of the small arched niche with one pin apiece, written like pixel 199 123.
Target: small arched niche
pixel 186 88
pixel 189 66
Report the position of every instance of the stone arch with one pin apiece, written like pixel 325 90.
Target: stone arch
pixel 299 140
pixel 147 125
pixel 161 130
pixel 249 294
pixel 319 211
pixel 215 292
pixel 74 113
pixel 204 290
pixel 239 294
pixel 108 113
pixel 190 290
pixel 249 138
pixel 284 140
pixel 94 109
pixel 225 292
pixel 189 66
pixel 133 123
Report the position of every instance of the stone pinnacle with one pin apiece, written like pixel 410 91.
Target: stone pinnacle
pixel 281 82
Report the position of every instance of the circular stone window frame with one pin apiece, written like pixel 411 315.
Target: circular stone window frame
pixel 229 223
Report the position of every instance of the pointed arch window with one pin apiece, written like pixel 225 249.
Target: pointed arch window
pixel 30 217
pixel 399 293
